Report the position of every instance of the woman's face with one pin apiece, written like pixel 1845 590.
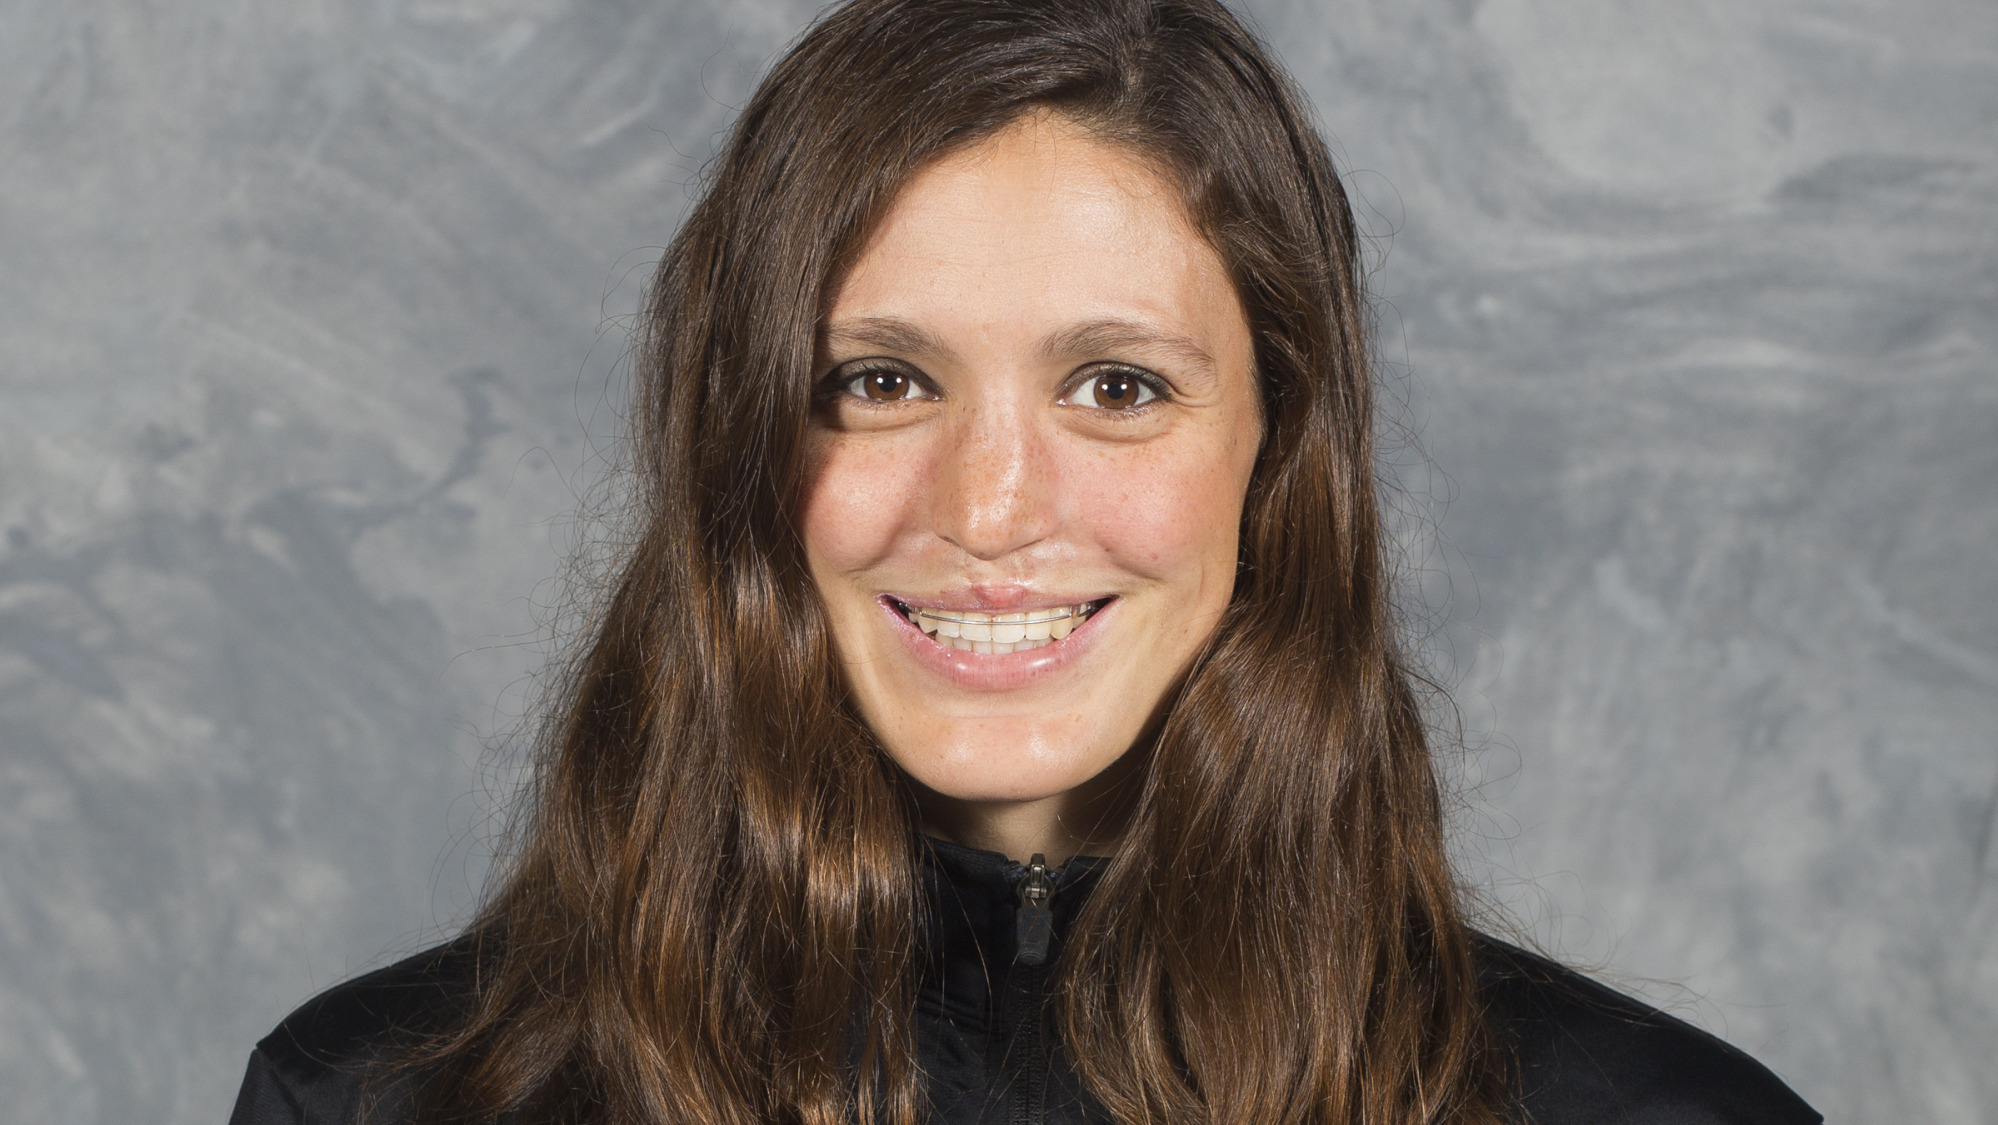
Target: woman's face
pixel 1027 474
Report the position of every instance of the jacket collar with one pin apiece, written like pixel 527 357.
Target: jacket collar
pixel 973 896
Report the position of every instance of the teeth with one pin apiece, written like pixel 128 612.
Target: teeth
pixel 999 633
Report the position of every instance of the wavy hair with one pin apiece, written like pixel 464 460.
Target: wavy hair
pixel 713 915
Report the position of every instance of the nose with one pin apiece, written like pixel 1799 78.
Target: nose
pixel 994 492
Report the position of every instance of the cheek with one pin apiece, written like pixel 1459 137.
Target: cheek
pixel 1166 513
pixel 856 501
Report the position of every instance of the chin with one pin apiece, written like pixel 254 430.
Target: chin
pixel 987 765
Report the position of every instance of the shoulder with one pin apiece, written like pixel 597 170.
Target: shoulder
pixel 1586 1053
pixel 320 1062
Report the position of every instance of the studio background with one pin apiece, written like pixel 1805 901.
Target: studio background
pixel 310 323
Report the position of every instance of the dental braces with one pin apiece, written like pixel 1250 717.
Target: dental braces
pixel 1029 619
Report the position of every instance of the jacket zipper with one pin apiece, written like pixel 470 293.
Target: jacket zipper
pixel 1033 931
pixel 1033 924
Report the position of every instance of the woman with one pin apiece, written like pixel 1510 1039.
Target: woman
pixel 1000 714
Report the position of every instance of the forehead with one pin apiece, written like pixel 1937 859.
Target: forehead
pixel 1040 219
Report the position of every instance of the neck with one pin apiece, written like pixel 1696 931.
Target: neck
pixel 1017 830
pixel 1086 820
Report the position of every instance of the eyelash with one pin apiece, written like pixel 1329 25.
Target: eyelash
pixel 839 382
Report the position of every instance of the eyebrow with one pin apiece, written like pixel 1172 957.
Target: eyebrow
pixel 889 334
pixel 1098 338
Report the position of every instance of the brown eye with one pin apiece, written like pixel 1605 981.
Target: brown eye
pixel 1117 390
pixel 885 386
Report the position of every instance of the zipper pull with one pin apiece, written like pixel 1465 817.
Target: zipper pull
pixel 1033 923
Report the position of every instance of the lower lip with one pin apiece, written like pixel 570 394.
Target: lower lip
pixel 997 671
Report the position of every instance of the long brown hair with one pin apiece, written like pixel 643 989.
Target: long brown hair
pixel 713 916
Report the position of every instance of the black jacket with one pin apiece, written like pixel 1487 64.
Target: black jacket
pixel 1584 1053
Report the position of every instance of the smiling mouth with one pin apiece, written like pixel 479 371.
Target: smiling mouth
pixel 998 633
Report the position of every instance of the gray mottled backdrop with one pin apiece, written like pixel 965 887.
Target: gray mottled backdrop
pixel 308 312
